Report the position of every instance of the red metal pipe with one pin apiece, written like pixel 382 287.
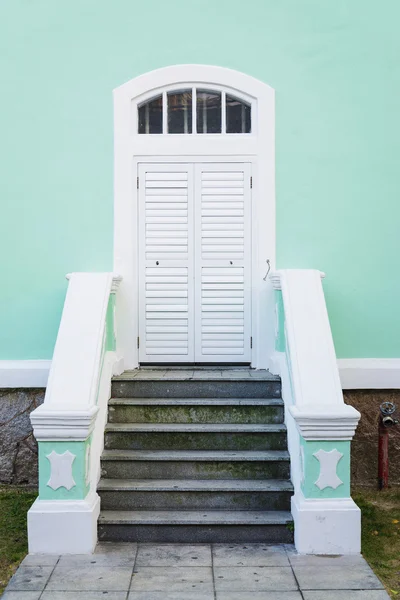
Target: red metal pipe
pixel 383 456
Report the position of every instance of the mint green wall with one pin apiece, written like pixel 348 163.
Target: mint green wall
pixel 280 339
pixel 110 332
pixel 335 69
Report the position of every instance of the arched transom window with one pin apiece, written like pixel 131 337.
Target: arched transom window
pixel 194 110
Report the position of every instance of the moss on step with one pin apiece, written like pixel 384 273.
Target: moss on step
pixel 196 414
pixel 139 440
pixel 196 470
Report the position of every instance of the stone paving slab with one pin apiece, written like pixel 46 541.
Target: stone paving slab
pixel 194 572
pixel 97 560
pixel 173 579
pixel 40 560
pixel 120 548
pixel 83 596
pixel 173 555
pixel 29 579
pixel 298 560
pixel 260 596
pixel 189 595
pixel 337 578
pixel 249 555
pixel 257 579
pixel 91 578
pixel 346 595
pixel 21 596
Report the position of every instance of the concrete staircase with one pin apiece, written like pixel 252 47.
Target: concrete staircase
pixel 195 456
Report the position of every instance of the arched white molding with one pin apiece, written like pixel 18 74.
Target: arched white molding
pixel 130 148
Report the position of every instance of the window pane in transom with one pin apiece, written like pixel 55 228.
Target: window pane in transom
pixel 150 116
pixel 238 116
pixel 208 111
pixel 180 112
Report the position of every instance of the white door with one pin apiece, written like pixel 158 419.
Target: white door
pixel 195 263
pixel 166 250
pixel 222 263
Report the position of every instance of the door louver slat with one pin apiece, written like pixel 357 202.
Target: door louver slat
pixel 164 204
pixel 222 326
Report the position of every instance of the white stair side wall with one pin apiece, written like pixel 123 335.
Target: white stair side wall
pixel 74 409
pixel 315 410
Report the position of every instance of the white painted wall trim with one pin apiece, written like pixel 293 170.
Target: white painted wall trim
pixel 369 373
pixel 355 373
pixel 131 148
pixel 24 373
pixel 326 423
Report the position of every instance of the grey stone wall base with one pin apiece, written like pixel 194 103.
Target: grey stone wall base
pixel 364 447
pixel 18 447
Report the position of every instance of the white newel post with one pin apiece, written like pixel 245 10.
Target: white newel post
pixel 69 426
pixel 320 426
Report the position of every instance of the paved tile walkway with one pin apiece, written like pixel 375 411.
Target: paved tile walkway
pixel 196 572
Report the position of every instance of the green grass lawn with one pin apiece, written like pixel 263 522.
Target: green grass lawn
pixel 380 532
pixel 14 504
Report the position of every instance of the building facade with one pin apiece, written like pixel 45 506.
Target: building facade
pixel 199 154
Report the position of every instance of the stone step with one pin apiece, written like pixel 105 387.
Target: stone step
pixel 178 436
pixel 169 464
pixel 193 527
pixel 205 386
pixel 181 494
pixel 195 410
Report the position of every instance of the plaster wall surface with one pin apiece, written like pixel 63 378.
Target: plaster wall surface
pixel 335 69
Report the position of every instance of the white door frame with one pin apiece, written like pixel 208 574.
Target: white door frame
pixel 130 149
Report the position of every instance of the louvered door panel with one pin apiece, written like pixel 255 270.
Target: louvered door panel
pixel 222 257
pixel 166 322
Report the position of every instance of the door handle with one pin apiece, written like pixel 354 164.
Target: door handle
pixel 269 268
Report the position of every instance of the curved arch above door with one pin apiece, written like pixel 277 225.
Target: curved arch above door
pixel 203 115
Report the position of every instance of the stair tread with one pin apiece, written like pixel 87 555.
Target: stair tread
pixel 194 517
pixel 196 485
pixel 197 374
pixel 196 427
pixel 195 402
pixel 195 455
